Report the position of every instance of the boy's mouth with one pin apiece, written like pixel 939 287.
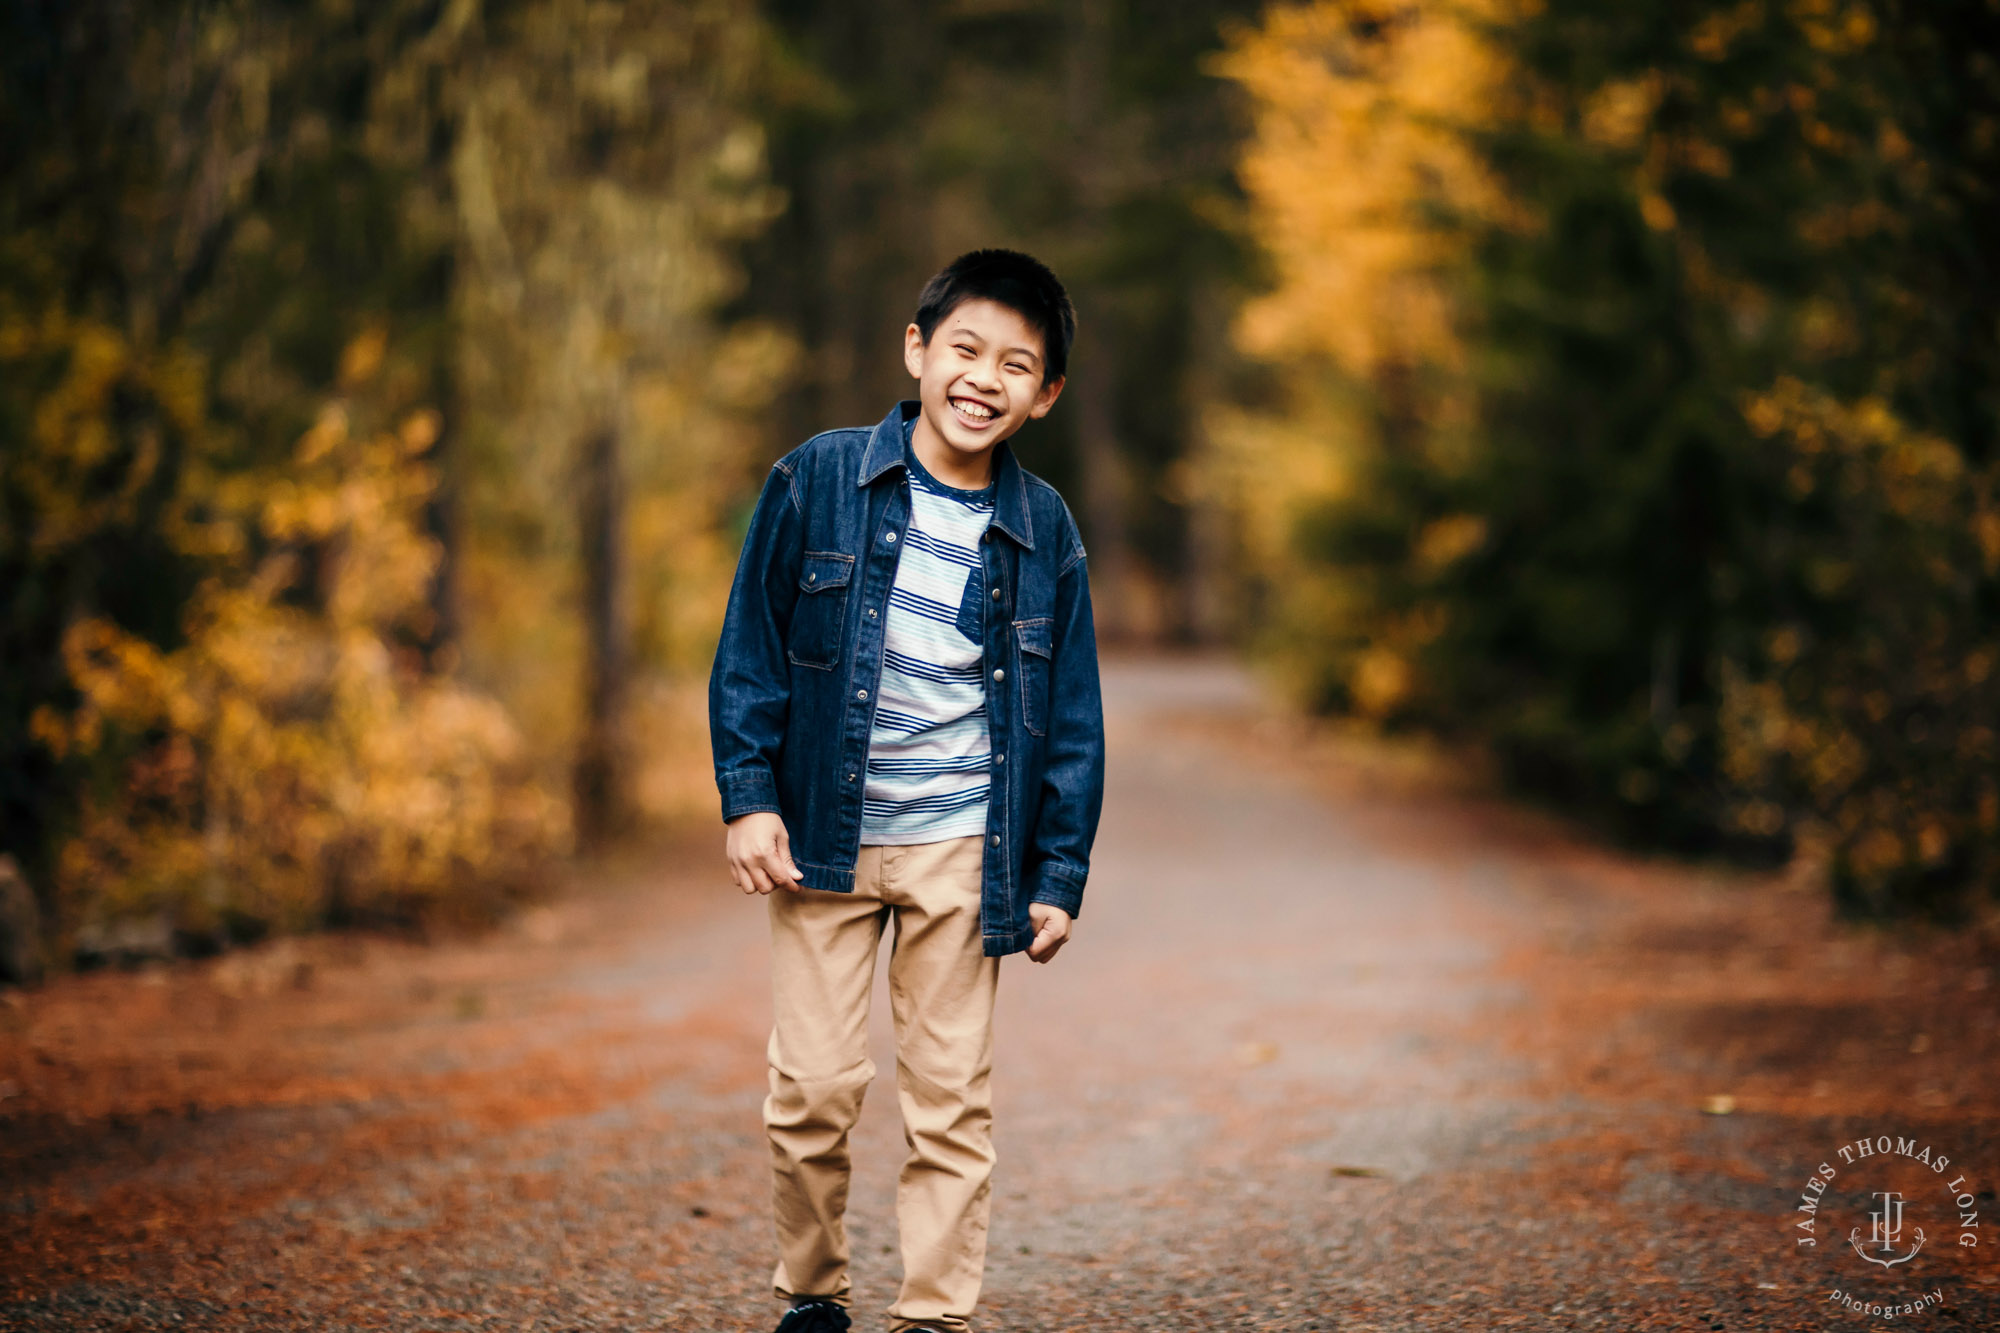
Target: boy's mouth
pixel 973 412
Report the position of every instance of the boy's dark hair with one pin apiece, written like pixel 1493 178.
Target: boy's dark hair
pixel 1008 277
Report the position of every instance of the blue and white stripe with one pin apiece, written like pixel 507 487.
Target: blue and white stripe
pixel 928 754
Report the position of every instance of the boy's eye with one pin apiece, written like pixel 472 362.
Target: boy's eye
pixel 967 350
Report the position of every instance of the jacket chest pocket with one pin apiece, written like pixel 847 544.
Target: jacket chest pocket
pixel 820 614
pixel 1033 662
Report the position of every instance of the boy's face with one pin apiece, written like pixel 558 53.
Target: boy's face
pixel 980 378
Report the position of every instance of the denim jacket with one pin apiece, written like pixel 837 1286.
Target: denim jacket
pixel 791 698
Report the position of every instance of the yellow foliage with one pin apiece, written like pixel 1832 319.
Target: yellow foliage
pixel 69 469
pixel 1356 137
pixel 291 761
pixel 1873 749
pixel 1359 173
pixel 1712 37
pixel 363 357
pixel 1445 541
pixel 1619 114
pixel 1381 681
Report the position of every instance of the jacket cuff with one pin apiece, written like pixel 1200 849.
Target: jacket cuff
pixel 746 791
pixel 1059 885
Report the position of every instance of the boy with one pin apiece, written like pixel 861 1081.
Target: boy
pixel 907 731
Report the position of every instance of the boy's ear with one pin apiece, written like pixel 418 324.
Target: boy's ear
pixel 913 351
pixel 1046 398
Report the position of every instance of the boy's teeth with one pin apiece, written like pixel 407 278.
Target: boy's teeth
pixel 979 410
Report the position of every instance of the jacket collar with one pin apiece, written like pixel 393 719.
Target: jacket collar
pixel 1010 491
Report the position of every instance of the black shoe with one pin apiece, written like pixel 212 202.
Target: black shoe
pixel 814 1317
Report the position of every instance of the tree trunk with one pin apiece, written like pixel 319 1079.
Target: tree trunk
pixel 1103 481
pixel 1095 385
pixel 1205 538
pixel 444 519
pixel 601 770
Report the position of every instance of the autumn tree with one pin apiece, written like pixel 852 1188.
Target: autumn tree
pixel 1649 415
pixel 607 164
pixel 361 394
pixel 191 232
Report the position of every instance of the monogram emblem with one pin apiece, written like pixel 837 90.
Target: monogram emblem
pixel 1885 1232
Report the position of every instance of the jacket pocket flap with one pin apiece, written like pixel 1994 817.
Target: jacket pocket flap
pixel 825 569
pixel 1033 636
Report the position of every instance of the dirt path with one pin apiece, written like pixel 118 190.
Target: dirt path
pixel 1333 1049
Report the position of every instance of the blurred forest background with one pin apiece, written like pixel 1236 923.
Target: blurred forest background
pixel 384 387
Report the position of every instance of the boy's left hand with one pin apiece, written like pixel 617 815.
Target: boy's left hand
pixel 1051 931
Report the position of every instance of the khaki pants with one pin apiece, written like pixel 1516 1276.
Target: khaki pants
pixel 941 989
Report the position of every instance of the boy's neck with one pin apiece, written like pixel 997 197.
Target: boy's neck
pixel 967 472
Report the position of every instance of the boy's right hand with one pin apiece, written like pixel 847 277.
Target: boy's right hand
pixel 760 853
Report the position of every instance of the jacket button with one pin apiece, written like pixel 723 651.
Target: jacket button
pixel 850 777
pixel 999 758
pixel 996 840
pixel 888 536
pixel 861 694
pixel 810 578
pixel 998 674
pixel 871 613
pixel 996 594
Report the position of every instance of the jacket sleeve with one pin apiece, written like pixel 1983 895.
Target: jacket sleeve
pixel 1073 752
pixel 749 687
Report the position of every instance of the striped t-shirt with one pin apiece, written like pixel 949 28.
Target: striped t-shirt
pixel 928 752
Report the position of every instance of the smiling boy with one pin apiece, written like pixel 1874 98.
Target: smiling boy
pixel 907 731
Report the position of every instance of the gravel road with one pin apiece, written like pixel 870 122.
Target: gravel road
pixel 1339 1044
